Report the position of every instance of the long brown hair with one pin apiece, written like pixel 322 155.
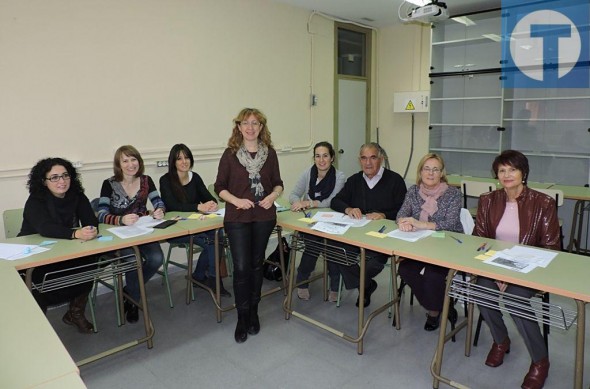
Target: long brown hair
pixel 236 139
pixel 175 183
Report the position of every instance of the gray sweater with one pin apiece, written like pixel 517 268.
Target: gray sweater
pixel 301 188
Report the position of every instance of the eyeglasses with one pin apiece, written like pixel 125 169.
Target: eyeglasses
pixel 57 177
pixel 434 170
pixel 507 172
pixel 253 124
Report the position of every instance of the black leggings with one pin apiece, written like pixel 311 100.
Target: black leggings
pixel 248 243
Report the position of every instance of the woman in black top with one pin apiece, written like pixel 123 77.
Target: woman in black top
pixel 184 190
pixel 58 208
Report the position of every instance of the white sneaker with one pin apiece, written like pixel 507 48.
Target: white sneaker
pixel 333 297
pixel 303 294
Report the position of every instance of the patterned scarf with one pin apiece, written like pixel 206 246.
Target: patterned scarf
pixel 430 196
pixel 253 166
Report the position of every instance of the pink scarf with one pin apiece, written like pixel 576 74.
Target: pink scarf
pixel 430 196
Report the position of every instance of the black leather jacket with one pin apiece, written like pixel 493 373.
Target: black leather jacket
pixel 537 216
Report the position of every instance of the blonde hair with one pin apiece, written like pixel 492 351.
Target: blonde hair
pixel 236 139
pixel 443 172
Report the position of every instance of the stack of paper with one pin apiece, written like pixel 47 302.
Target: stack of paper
pixel 521 259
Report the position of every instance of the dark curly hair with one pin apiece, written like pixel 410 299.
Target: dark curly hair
pixel 36 182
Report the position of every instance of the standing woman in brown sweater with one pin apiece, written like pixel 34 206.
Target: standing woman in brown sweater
pixel 249 181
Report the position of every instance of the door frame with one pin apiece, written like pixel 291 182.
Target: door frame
pixel 368 77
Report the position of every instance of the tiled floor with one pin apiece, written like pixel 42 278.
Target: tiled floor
pixel 192 350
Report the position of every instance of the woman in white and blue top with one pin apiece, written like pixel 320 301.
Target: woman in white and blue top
pixel 315 189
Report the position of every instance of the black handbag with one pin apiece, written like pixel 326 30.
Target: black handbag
pixel 271 269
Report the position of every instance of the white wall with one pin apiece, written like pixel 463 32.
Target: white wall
pixel 403 64
pixel 80 78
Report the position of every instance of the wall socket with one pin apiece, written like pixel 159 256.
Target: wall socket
pixel 162 163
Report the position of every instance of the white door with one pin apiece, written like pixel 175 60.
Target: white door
pixel 352 123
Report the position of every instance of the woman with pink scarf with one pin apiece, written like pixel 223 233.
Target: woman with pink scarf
pixel 431 204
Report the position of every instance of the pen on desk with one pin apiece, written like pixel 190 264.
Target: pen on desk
pixel 458 240
pixel 482 247
pixel 382 230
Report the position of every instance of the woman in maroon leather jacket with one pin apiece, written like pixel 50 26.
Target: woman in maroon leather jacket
pixel 521 215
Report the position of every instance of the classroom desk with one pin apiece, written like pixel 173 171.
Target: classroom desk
pixel 355 237
pixel 570 281
pixel 196 226
pixel 64 250
pixel 581 194
pixel 31 355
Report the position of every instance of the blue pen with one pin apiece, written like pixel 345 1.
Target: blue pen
pixel 382 230
pixel 458 241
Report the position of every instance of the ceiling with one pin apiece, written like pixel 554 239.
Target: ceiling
pixel 382 13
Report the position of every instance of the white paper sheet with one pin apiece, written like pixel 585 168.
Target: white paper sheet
pixel 331 228
pixel 11 252
pixel 531 255
pixel 507 262
pixel 125 232
pixel 410 236
pixel 340 218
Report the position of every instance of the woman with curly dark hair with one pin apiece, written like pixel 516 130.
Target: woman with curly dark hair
pixel 58 208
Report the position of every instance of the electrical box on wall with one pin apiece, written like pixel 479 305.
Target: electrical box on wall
pixel 410 102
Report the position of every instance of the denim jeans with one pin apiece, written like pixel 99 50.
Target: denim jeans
pixel 153 257
pixel 206 262
pixel 248 243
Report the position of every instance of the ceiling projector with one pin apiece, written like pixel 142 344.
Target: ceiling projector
pixel 432 12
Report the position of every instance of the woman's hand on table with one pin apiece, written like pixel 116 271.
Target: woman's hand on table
pixel 406 224
pixel 299 205
pixel 86 233
pixel 158 214
pixel 130 219
pixel 209 206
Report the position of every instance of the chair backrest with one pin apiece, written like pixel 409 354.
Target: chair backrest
pixel 557 194
pixel 474 189
pixel 467 221
pixel 13 221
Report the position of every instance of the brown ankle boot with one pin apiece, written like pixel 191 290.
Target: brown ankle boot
pixel 496 355
pixel 538 372
pixel 75 315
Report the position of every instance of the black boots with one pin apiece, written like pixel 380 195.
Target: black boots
pixel 248 323
pixel 241 333
pixel 75 314
pixel 254 326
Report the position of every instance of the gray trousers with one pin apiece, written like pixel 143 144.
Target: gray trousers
pixel 528 329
